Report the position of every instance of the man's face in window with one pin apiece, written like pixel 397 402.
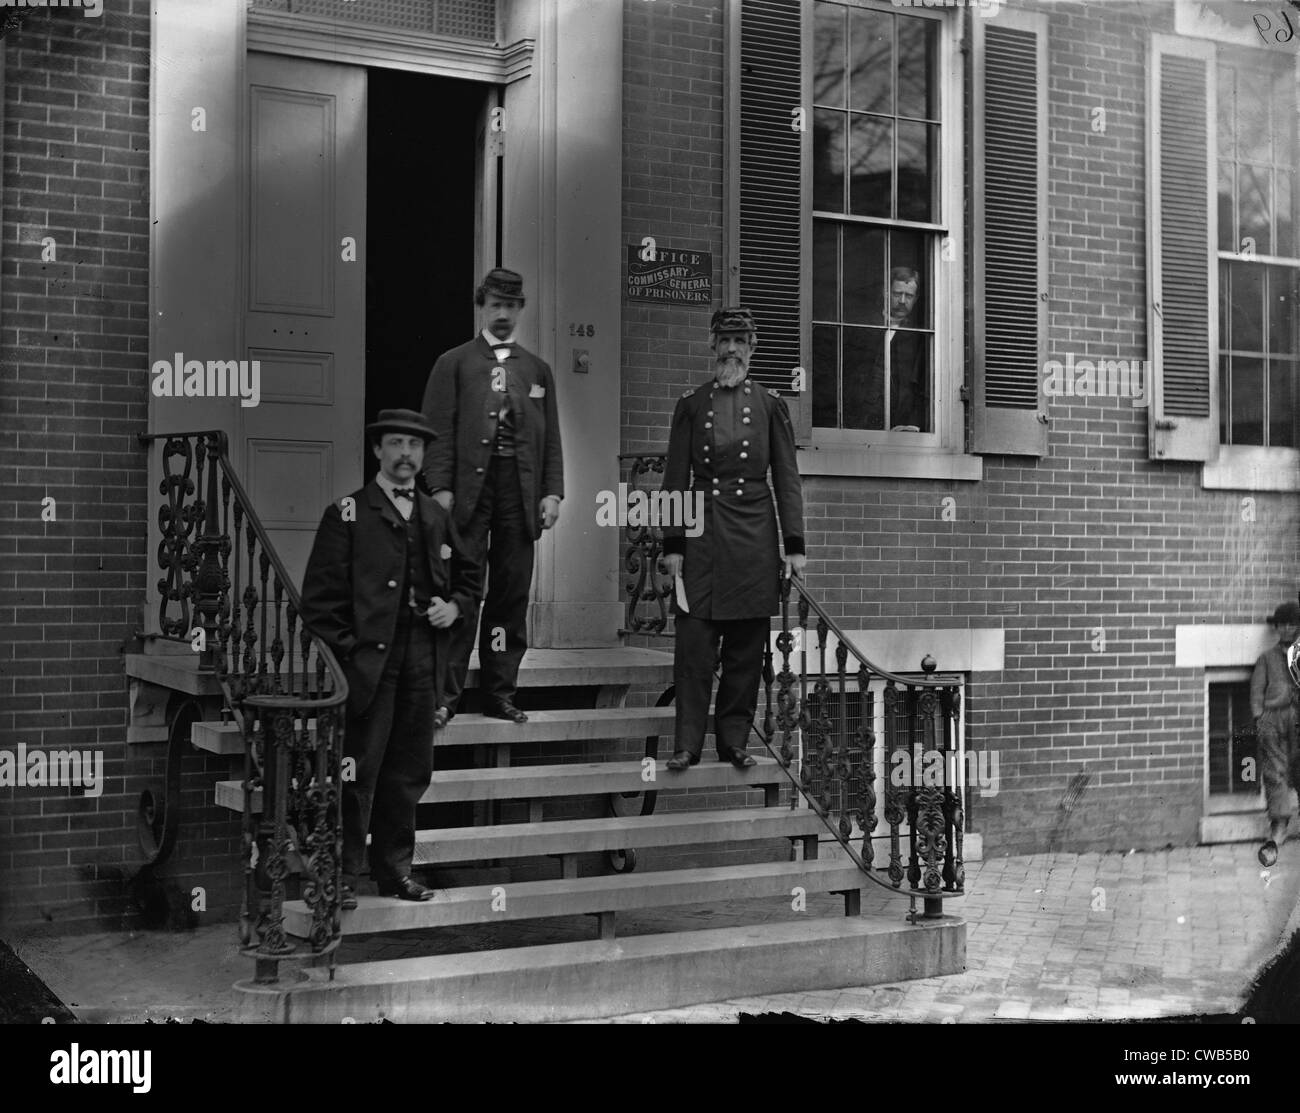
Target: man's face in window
pixel 902 297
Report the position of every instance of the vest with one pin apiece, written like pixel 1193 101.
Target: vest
pixel 417 566
pixel 504 445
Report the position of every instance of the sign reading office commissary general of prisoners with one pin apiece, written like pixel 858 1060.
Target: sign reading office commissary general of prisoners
pixel 670 275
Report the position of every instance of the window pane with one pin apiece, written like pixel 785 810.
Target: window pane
pixel 1227 225
pixel 1281 403
pixel 916 39
pixel 1284 223
pixel 864 275
pixel 826 271
pixel 1247 400
pixel 915 167
pixel 1282 310
pixel 1225 290
pixel 871 149
pixel 825 376
pixel 864 378
pixel 828 160
pixel 909 256
pixel 1247 307
pixel 1252 120
pixel 871 41
pixel 1253 207
pixel 1284 115
pixel 1225 396
pixel 909 381
pixel 829 48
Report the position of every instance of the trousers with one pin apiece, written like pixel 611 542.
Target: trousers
pixel 497 535
pixel 1279 759
pixel 392 745
pixel 700 643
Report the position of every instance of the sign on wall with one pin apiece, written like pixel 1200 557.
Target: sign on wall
pixel 676 276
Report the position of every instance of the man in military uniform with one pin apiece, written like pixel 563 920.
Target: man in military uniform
pixel 498 467
pixel 386 586
pixel 729 435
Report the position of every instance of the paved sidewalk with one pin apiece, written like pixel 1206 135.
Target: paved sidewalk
pixel 1050 937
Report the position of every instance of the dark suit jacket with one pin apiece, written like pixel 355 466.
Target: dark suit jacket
pixel 461 405
pixel 352 587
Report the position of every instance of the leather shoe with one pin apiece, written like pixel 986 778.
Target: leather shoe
pixel 348 899
pixel 504 709
pixel 440 717
pixel 739 758
pixel 681 760
pixel 407 889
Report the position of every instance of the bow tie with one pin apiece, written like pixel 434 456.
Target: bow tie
pixel 404 493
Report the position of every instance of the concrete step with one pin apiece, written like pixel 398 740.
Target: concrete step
pixel 176 670
pixel 580 836
pixel 569 725
pixel 619 892
pixel 601 978
pixel 592 778
pixel 537 782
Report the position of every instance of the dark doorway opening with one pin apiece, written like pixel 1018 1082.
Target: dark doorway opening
pixel 420 209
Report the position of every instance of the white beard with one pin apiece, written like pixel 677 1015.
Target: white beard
pixel 731 372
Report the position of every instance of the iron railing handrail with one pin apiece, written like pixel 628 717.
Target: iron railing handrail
pixel 230 476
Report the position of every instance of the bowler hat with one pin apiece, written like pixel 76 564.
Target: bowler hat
pixel 1287 614
pixel 400 421
pixel 501 283
pixel 733 318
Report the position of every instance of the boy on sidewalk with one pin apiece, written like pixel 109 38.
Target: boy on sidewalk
pixel 1273 695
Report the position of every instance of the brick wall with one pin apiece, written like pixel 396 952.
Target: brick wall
pixel 73 363
pixel 1098 748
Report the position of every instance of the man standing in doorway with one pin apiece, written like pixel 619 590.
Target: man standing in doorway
pixel 729 434
pixel 497 466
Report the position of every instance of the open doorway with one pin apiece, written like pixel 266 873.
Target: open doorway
pixel 420 210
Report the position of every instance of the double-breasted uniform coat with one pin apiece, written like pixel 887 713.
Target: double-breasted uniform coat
pixel 364 566
pixel 496 496
pixel 726 443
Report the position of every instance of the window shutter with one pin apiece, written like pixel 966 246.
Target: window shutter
pixel 1182 256
pixel 1010 225
pixel 768 166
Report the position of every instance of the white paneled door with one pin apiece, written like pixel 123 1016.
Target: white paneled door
pixel 305 305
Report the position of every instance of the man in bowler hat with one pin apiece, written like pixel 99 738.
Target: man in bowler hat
pixel 727 437
pixel 498 467
pixel 386 586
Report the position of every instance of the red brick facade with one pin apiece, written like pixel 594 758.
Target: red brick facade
pixel 1094 534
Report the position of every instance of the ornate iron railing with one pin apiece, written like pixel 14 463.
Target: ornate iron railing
pixel 829 732
pixel 224 590
pixel 648 587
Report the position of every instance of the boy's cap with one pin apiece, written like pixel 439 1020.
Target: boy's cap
pixel 1287 614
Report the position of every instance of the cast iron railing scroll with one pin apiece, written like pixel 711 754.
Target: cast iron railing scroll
pixel 648 587
pixel 225 590
pixel 830 728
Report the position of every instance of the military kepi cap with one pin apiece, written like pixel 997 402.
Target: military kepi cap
pixel 733 318
pixel 1287 614
pixel 400 421
pixel 502 283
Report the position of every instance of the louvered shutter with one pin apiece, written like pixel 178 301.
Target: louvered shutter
pixel 1182 257
pixel 1010 224
pixel 769 163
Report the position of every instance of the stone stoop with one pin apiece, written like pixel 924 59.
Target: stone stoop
pixel 604 978
pixel 535 791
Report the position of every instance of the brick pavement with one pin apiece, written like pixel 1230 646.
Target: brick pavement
pixel 1060 936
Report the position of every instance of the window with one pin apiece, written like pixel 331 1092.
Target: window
pixel 1259 257
pixel 1233 758
pixel 876 209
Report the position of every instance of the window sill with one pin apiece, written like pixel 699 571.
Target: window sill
pixel 888 463
pixel 1252 468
